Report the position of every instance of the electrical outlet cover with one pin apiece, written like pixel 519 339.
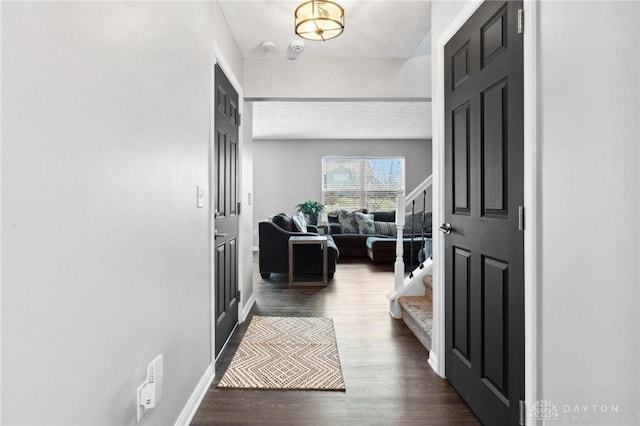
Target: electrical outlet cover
pixel 151 388
pixel 158 363
pixel 140 410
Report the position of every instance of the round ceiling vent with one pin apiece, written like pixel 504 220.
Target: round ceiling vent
pixel 297 46
pixel 268 46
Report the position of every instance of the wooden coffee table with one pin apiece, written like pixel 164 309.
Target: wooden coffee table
pixel 305 240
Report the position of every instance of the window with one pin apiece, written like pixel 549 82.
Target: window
pixel 361 182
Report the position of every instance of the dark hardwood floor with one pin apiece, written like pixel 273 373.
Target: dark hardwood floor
pixel 388 380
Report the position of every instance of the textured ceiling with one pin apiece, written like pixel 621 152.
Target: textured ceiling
pixel 373 28
pixel 342 120
pixel 380 29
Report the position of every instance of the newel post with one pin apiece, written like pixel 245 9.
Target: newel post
pixel 399 264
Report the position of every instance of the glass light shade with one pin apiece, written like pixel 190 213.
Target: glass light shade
pixel 319 20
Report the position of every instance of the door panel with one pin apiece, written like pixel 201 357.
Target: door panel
pixel 461 158
pixel 484 254
pixel 225 218
pixel 461 307
pixel 460 66
pixel 221 256
pixel 493 36
pixel 233 176
pixel 494 146
pixel 495 334
pixel 232 283
pixel 221 167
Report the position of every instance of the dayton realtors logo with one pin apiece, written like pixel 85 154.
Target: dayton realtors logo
pixel 590 412
pixel 544 410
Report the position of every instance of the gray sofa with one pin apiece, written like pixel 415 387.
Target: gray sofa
pixel 381 248
pixel 273 255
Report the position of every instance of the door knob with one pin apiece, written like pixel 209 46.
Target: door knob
pixel 217 235
pixel 446 228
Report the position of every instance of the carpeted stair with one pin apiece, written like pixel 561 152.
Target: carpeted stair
pixel 417 313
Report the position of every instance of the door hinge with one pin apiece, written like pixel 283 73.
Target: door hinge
pixel 238 294
pixel 238 207
pixel 520 21
pixel 520 218
pixel 523 414
pixel 239 119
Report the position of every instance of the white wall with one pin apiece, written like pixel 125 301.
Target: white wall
pixel 588 136
pixel 106 119
pixel 289 172
pixel 338 78
pixel 225 47
pixel 246 212
pixel 442 13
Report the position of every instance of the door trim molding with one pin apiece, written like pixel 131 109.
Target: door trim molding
pixel 218 59
pixel 1 240
pixel 531 194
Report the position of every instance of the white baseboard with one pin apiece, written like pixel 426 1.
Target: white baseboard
pixel 413 286
pixel 433 361
pixel 247 307
pixel 189 410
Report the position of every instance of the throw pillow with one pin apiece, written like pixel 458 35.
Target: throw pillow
pixel 347 219
pixel 365 223
pixel 384 216
pixel 428 223
pixel 284 221
pixel 420 221
pixel 386 228
pixel 332 217
pixel 300 222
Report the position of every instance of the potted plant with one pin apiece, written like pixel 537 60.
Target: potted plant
pixel 311 209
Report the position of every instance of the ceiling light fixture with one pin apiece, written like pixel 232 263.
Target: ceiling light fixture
pixel 319 20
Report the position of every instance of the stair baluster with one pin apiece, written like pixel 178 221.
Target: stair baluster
pixel 413 211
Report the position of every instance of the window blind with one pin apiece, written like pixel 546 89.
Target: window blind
pixel 361 182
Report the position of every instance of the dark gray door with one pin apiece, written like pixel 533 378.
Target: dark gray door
pixel 225 219
pixel 484 257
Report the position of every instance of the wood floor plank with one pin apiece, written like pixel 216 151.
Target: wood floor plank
pixel 384 365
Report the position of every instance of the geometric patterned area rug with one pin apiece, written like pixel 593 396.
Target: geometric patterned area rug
pixel 286 353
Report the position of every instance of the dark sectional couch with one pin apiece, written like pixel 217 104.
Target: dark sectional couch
pixel 273 256
pixel 380 248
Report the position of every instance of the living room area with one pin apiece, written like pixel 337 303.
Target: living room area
pixel 294 166
pixel 352 158
pixel 303 135
pixel 365 105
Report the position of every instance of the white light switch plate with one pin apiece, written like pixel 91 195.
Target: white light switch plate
pixel 199 197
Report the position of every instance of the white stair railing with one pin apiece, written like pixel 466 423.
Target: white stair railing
pixel 413 283
pixel 398 267
pixel 413 195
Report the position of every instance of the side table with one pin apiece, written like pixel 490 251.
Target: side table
pixel 304 240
